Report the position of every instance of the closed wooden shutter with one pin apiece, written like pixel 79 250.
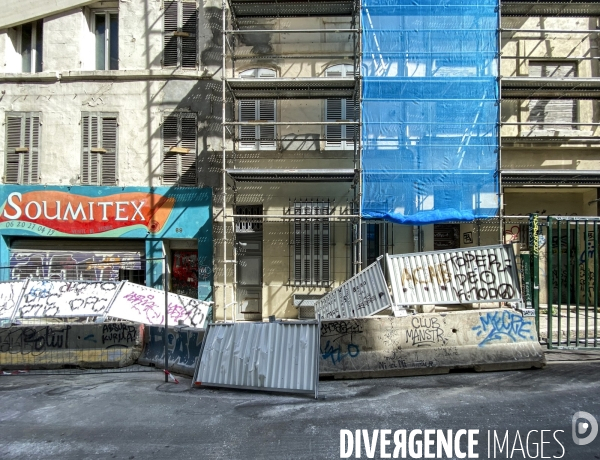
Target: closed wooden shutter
pixel 22 149
pixel 266 133
pixel 108 158
pixel 312 244
pixel 180 24
pixel 333 133
pixel 170 42
pixel 248 134
pixel 189 14
pixel 99 149
pixel 179 132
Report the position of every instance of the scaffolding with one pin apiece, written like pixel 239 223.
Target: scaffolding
pixel 239 19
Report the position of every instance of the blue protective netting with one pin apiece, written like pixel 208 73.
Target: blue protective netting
pixel 430 110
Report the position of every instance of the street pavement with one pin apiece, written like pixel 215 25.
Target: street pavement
pixel 139 416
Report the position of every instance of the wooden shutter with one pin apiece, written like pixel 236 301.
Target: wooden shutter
pixel 333 133
pixel 349 114
pixel 108 158
pixel 188 141
pixel 170 138
pixel 549 111
pixel 311 244
pixel 189 23
pixel 14 140
pixel 248 134
pixel 99 150
pixel 266 133
pixel 180 26
pixel 22 149
pixel 179 133
pixel 170 41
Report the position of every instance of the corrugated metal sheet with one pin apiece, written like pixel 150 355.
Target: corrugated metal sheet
pixel 279 356
pixel 362 295
pixel 483 274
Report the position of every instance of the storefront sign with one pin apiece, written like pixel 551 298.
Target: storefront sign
pixel 101 211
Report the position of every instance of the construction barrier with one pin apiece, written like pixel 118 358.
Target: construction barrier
pixel 184 345
pixel 70 345
pixel 484 340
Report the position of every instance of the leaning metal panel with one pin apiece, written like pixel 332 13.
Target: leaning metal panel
pixel 279 356
pixel 362 295
pixel 483 274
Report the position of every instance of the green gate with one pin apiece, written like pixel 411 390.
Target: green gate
pixel 571 271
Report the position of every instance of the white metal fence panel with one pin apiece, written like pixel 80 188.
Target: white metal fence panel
pixel 147 305
pixel 362 295
pixel 43 298
pixel 280 356
pixel 475 275
pixel 10 296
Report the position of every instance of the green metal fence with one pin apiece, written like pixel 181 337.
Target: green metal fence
pixel 572 271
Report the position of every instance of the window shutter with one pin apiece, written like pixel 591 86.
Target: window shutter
pixel 108 159
pixel 349 115
pixel 34 151
pixel 179 130
pixel 170 45
pixel 188 44
pixel 248 112
pixel 266 112
pixel 188 140
pixel 333 133
pixel 169 135
pixel 14 140
pixel 89 162
pixel 311 244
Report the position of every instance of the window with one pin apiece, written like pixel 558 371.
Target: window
pixel 106 31
pixel 99 152
pixel 180 23
pixel 179 134
pixel 552 113
pixel 30 45
pixel 311 243
pixel 22 148
pixel 261 137
pixel 340 136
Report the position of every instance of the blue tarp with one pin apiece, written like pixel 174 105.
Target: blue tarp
pixel 430 110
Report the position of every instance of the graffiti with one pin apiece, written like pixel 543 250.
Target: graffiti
pixel 183 347
pixel 504 324
pixel 145 305
pixel 9 296
pixel 335 330
pixel 487 274
pixel 75 265
pixel 534 235
pixel 468 238
pixel 335 352
pixel 425 331
pixel 34 340
pixel 119 333
pixel 62 298
pixel 512 235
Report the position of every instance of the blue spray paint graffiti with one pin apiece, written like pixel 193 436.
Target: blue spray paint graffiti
pixel 335 353
pixel 503 324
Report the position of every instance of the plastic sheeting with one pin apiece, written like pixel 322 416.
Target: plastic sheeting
pixel 430 110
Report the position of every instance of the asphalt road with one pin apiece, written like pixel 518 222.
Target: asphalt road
pixel 138 416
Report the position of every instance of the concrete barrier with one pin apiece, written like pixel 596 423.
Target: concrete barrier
pixel 183 344
pixel 434 343
pixel 65 345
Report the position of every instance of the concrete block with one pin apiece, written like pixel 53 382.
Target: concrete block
pixel 435 343
pixel 56 346
pixel 183 344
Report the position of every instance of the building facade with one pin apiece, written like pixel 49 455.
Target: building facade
pixel 263 107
